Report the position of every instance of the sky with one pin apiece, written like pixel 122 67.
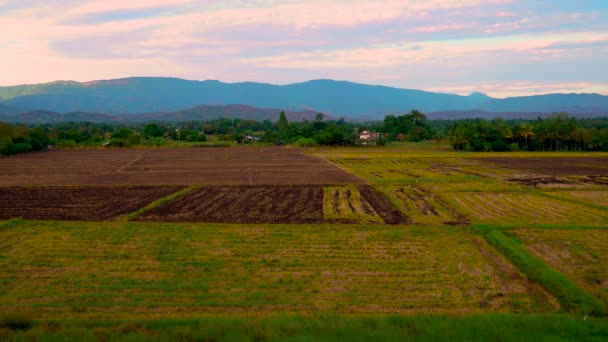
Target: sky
pixel 498 47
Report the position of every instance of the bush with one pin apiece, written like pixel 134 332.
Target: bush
pixel 306 142
pixel 15 323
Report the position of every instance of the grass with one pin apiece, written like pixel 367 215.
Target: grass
pixel 145 270
pixel 324 327
pixel 572 297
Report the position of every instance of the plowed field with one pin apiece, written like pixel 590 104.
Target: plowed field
pixel 244 204
pixel 273 204
pixel 588 166
pixel 183 166
pixel 76 204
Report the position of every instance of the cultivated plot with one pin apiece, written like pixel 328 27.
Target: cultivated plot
pixel 99 270
pixel 243 204
pixel 524 207
pixel 345 204
pixel 599 197
pixel 278 204
pixel 76 204
pixel 579 253
pixel 556 172
pixel 180 166
pixel 423 206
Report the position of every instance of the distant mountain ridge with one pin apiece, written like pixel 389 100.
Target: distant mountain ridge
pixel 137 95
pixel 199 113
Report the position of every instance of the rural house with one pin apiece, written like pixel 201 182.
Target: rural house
pixel 368 137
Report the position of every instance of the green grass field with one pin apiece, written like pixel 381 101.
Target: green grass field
pixel 486 257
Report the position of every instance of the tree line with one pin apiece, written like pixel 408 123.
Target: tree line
pixel 559 132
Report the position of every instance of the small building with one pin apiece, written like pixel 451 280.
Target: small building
pixel 367 137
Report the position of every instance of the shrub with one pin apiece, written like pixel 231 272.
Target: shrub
pixel 15 322
pixel 306 142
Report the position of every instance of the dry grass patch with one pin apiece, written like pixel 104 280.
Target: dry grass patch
pixel 524 207
pixel 344 203
pixel 596 197
pixel 579 253
pixel 131 270
pixel 423 206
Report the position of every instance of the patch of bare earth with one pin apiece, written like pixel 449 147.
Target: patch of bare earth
pixel 161 166
pixel 383 206
pixel 244 204
pixel 77 204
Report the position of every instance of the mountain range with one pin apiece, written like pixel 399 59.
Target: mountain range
pixel 156 98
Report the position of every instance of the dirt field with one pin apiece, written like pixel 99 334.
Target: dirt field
pixel 244 204
pixel 584 166
pixel 269 204
pixel 184 166
pixel 76 204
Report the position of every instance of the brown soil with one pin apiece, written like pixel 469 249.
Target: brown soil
pixel 244 204
pixel 540 181
pixel 335 203
pixel 77 204
pixel 383 206
pixel 162 166
pixel 601 180
pixel 581 166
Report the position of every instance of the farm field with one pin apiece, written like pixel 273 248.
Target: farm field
pixel 180 166
pixel 578 253
pixel 432 185
pixel 77 204
pixel 256 233
pixel 144 270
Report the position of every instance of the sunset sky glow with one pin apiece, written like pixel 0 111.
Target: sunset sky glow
pixel 499 47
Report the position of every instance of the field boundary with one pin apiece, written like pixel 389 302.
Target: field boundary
pixel 571 296
pixel 316 326
pixel 156 203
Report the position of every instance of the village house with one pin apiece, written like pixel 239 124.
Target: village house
pixel 367 137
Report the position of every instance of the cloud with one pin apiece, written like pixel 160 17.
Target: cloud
pixel 404 43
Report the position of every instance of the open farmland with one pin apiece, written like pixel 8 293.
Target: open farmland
pixel 579 253
pixel 405 229
pixel 142 270
pixel 180 166
pixel 431 185
pixel 77 204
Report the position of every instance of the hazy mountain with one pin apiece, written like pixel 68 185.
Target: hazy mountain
pixel 206 113
pixel 38 116
pixel 337 98
pixel 476 113
pixel 199 113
